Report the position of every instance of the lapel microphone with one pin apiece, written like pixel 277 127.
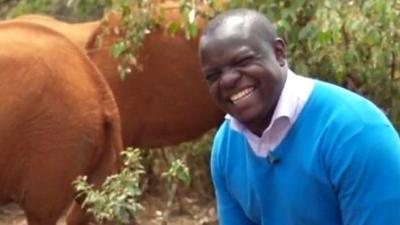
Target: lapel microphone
pixel 272 159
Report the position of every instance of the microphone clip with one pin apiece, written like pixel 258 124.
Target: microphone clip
pixel 272 159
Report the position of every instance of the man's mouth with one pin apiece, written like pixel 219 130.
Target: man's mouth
pixel 241 95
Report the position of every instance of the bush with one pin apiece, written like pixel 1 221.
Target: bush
pixel 351 43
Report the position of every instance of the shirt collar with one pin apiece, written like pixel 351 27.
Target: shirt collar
pixel 285 108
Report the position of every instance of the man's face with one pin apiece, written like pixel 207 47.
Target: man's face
pixel 244 75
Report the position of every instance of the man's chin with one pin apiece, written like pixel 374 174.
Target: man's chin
pixel 244 118
pixel 250 118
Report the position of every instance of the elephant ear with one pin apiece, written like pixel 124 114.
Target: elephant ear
pixel 78 33
pixel 91 43
pixel 106 33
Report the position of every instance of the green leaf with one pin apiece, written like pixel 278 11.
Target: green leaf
pixel 306 32
pixel 324 37
pixel 118 48
pixel 193 30
pixel 173 28
pixel 185 177
pixel 373 37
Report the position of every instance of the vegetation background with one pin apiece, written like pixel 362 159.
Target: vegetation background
pixel 352 43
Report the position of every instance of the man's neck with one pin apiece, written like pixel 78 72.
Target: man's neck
pixel 258 127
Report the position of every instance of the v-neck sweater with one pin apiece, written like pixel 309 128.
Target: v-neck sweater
pixel 294 96
pixel 329 164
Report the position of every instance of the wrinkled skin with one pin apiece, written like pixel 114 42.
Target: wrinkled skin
pixel 167 102
pixel 58 120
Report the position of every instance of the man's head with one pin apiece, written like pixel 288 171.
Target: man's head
pixel 245 65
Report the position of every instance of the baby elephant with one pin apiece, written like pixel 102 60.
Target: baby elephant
pixel 58 120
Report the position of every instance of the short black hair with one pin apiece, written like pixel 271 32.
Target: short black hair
pixel 253 20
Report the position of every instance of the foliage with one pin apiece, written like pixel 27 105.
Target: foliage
pixel 139 17
pixel 116 199
pixel 351 43
pixel 183 173
pixel 71 10
pixel 189 11
pixel 178 171
pixel 137 21
pixel 25 7
pixel 6 6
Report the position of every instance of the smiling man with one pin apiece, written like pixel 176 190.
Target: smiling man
pixel 292 150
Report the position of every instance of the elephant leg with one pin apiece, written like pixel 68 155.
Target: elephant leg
pixel 46 191
pixel 107 164
pixel 42 214
pixel 47 221
pixel 77 216
pixel 35 219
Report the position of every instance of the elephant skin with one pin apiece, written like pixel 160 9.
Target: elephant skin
pixel 165 103
pixel 78 33
pixel 58 120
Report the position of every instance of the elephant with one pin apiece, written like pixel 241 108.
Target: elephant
pixel 58 120
pixel 175 105
pixel 165 103
pixel 78 33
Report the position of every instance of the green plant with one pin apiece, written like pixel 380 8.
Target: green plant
pixel 351 43
pixel 71 10
pixel 116 199
pixel 36 6
pixel 178 172
pixel 137 22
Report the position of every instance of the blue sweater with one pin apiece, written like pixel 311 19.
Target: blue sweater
pixel 339 165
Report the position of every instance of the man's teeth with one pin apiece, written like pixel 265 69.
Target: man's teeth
pixel 241 94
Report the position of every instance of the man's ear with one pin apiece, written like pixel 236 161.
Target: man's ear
pixel 280 51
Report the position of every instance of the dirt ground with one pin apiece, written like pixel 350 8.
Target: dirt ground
pixel 195 212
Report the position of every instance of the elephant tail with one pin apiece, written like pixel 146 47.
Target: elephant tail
pixel 107 162
pixel 109 155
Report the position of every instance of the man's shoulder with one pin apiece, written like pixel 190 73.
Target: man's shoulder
pixel 338 94
pixel 226 137
pixel 226 131
pixel 345 104
pixel 343 115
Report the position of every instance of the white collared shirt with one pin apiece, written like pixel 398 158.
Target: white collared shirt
pixel 295 93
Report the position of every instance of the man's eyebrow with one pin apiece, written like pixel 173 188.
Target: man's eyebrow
pixel 243 53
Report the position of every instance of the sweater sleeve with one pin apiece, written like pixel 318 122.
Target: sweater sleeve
pixel 365 173
pixel 229 211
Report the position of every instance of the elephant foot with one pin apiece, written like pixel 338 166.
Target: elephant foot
pixel 23 223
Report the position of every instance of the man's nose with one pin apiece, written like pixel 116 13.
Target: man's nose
pixel 229 78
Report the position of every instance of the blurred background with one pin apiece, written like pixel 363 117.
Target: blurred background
pixel 355 44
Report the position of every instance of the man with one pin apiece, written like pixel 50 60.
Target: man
pixel 292 150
